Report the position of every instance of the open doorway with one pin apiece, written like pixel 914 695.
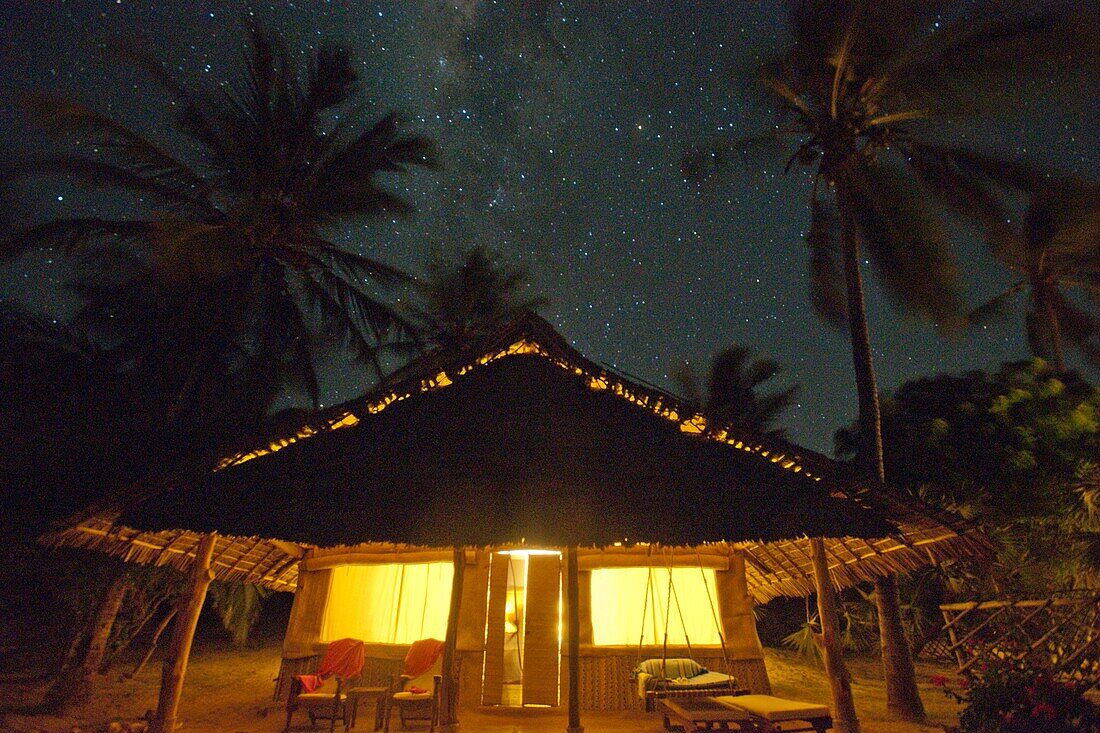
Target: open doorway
pixel 523 629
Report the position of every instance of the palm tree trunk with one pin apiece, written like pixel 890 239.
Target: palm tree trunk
pixel 76 685
pixel 1054 328
pixel 902 697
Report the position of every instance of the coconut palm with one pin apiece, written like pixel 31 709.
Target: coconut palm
pixel 460 301
pixel 859 89
pixel 732 394
pixel 1054 250
pixel 234 274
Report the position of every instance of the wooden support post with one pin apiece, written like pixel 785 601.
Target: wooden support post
pixel 448 695
pixel 183 634
pixel 844 709
pixel 573 591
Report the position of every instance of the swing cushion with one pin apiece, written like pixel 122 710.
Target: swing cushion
pixel 671 669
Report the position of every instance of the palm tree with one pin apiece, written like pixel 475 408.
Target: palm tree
pixel 234 274
pixel 463 300
pixel 732 391
pixel 1055 249
pixel 859 88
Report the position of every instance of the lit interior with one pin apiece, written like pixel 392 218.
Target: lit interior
pixel 388 604
pixel 511 661
pixel 620 594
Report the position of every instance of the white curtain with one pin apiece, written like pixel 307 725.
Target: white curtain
pixel 388 604
pixel 620 594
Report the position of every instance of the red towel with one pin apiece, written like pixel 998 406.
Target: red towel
pixel 422 655
pixel 343 658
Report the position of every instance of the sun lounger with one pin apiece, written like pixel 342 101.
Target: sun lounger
pixel 700 714
pixel 774 714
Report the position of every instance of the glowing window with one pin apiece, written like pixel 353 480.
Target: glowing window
pixel 388 604
pixel 619 596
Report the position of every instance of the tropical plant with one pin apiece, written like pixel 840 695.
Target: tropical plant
pixel 233 278
pixel 1018 448
pixel 733 391
pixel 1055 249
pixel 458 301
pixel 238 605
pixel 858 89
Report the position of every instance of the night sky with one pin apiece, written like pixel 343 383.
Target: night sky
pixel 562 127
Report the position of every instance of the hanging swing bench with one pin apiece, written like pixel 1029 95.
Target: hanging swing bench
pixel 680 677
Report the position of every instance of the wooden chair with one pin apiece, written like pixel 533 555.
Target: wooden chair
pixel 417 697
pixel 324 695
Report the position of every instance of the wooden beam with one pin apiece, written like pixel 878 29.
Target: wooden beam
pixel 573 589
pixel 183 634
pixel 844 709
pixel 448 694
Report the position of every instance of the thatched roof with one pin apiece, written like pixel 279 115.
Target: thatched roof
pixel 520 438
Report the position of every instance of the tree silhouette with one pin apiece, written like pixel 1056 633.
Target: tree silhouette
pixel 460 301
pixel 733 391
pixel 859 89
pixel 1054 249
pixel 233 278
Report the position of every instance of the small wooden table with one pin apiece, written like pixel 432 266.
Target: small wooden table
pixel 701 714
pixel 364 694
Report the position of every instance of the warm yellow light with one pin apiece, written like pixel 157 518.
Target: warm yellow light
pixel 600 381
pixel 620 594
pixel 389 603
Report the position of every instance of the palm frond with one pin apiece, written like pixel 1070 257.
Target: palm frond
pixel 193 113
pixel 700 164
pixel 1008 39
pixel 906 243
pixel 134 177
pixel 1080 328
pixel 331 80
pixel 827 289
pixel 361 323
pixel 20 326
pixel 76 234
pixel 140 155
pixel 995 308
pixel 360 267
pixel 968 181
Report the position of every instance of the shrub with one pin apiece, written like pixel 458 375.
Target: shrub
pixel 1008 696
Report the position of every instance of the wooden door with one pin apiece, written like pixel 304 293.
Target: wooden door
pixel 492 676
pixel 542 630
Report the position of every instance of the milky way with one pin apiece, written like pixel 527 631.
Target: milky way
pixel 562 127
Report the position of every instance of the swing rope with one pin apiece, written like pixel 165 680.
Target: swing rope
pixel 645 607
pixel 679 609
pixel 717 623
pixel 670 594
pixel 668 610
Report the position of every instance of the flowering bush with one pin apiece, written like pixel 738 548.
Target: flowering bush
pixel 1007 696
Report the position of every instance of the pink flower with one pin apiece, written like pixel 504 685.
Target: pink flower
pixel 939 680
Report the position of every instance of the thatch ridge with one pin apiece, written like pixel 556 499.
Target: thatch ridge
pixel 778 564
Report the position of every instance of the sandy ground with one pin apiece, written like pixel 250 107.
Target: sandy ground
pixel 230 692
